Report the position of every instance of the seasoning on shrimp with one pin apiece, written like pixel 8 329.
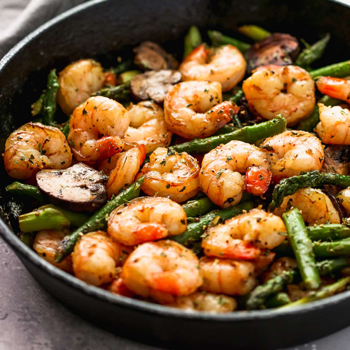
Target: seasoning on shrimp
pixel 292 152
pixel 147 127
pixel 225 65
pixel 231 277
pixel 243 236
pixel 95 258
pixel 126 168
pixel 77 83
pixel 146 219
pixel 334 125
pixel 288 90
pixel 174 176
pixel 96 128
pixel 162 270
pixel 315 206
pixel 195 109
pixel 221 176
pixel 34 147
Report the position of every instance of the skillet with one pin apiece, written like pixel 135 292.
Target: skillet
pixel 102 29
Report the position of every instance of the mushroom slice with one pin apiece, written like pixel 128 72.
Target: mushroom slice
pixel 280 49
pixel 336 160
pixel 151 56
pixel 153 85
pixel 78 188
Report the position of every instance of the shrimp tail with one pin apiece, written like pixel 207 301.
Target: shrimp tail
pixel 242 250
pixel 258 180
pixel 150 231
pixel 166 282
pixel 109 146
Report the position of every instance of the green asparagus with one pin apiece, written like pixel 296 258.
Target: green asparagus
pixel 330 266
pixel 27 238
pixel 332 249
pixel 277 300
pixel 310 179
pixel 198 207
pixel 98 221
pixel 338 70
pixel 218 39
pixel 324 292
pixel 255 33
pixel 122 67
pixel 120 93
pixel 192 40
pixel 249 134
pixel 75 219
pixel 237 97
pixel 49 103
pixel 124 78
pixel 260 294
pixel 196 229
pixel 302 248
pixel 328 232
pixel 20 189
pixel 310 123
pixel 312 53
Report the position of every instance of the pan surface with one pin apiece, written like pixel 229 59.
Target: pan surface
pixel 102 30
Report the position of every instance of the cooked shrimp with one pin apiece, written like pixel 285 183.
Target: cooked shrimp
pixel 334 125
pixel 292 152
pixel 344 198
pixel 163 268
pixel 208 302
pixel 34 147
pixel 146 219
pixel 96 128
pixel 286 90
pixel 334 87
pixel 126 169
pixel 195 109
pixel 95 258
pixel 147 127
pixel 225 65
pixel 315 206
pixel 46 243
pixel 174 176
pixel 77 82
pixel 242 236
pixel 220 176
pixel 232 277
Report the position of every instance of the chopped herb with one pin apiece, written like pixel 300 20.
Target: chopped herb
pixel 219 173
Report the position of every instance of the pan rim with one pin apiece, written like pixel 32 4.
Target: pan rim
pixel 128 303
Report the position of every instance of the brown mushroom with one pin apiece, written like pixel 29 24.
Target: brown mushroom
pixel 78 188
pixel 280 49
pixel 336 160
pixel 153 85
pixel 151 56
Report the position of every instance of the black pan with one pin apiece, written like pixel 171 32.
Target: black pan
pixel 101 29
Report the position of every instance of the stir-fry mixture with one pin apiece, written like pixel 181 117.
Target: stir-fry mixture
pixel 217 184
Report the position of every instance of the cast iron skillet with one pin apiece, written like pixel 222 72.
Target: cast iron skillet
pixel 101 29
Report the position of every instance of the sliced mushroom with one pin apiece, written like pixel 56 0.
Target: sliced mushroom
pixel 280 49
pixel 78 188
pixel 151 56
pixel 153 85
pixel 336 160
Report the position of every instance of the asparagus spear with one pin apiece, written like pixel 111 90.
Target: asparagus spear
pixel 332 249
pixel 310 179
pixel 120 93
pixel 65 128
pixel 324 292
pixel 310 123
pixel 249 134
pixel 218 39
pixel 338 70
pixel 75 219
pixel 255 33
pixel 37 106
pixel 228 128
pixel 277 300
pixel 122 67
pixel 260 294
pixel 49 103
pixel 312 53
pixel 43 219
pixel 125 77
pixel 328 232
pixel 198 207
pixel 302 248
pixel 237 97
pixel 20 189
pixel 196 229
pixel 330 266
pixel 192 40
pixel 98 221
